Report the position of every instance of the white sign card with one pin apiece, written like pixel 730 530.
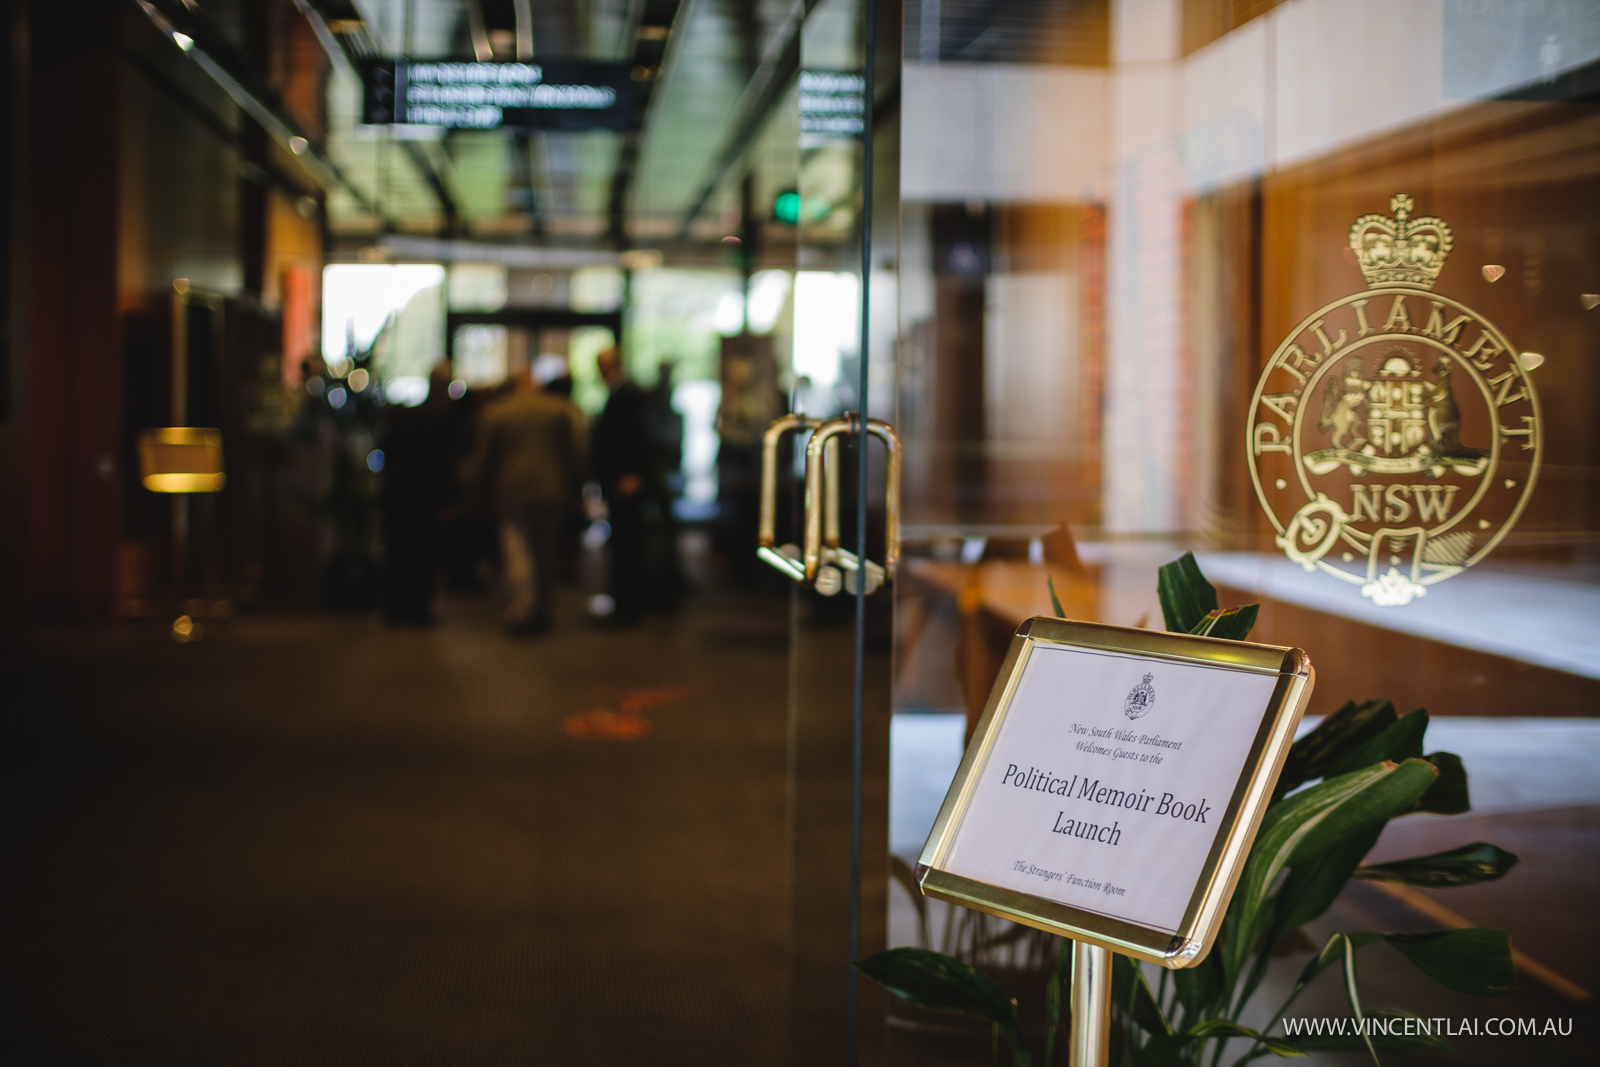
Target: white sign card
pixel 1106 784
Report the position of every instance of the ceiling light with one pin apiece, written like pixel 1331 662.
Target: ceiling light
pixel 298 145
pixel 182 40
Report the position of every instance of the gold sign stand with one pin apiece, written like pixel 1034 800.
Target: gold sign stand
pixel 1089 1042
pixel 1064 751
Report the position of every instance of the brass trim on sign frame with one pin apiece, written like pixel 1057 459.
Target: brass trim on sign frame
pixel 1236 832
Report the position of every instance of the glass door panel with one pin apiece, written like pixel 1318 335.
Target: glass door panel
pixel 826 369
pixel 1116 220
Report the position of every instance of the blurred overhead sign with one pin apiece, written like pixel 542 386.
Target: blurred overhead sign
pixel 831 106
pixel 564 94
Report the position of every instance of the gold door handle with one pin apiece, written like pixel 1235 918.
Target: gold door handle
pixel 840 567
pixel 824 558
pixel 785 558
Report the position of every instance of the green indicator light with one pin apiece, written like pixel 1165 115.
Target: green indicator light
pixel 786 208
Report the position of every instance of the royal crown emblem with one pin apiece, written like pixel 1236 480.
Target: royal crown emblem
pixel 1400 250
pixel 1395 435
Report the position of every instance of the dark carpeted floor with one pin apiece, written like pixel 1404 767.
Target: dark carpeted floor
pixel 315 840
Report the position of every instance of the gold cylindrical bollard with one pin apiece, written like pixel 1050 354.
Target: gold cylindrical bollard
pixel 1090 1038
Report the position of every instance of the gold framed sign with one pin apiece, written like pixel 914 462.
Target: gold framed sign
pixel 1115 783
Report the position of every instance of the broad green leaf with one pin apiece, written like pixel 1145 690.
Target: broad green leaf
pixel 1220 1028
pixel 1055 601
pixel 1384 1018
pixel 944 983
pixel 1447 796
pixel 1313 884
pixel 1475 961
pixel 1467 865
pixel 1186 597
pixel 1131 992
pixel 1309 822
pixel 934 980
pixel 1233 624
pixel 1281 1048
pixel 1400 740
pixel 1315 754
pixel 1374 802
pixel 1316 880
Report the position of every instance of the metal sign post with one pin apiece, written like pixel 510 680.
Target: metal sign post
pixel 1089 1043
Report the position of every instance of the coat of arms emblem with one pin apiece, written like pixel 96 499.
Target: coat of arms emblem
pixel 1395 434
pixel 1141 698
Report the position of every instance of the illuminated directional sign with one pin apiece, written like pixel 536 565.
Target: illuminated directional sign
pixel 831 104
pixel 565 94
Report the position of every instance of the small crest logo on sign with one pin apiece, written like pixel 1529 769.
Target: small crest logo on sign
pixel 1395 435
pixel 1140 699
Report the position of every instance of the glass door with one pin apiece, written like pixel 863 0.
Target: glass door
pixel 1310 289
pixel 841 651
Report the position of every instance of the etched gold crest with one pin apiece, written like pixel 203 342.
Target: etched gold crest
pixel 1394 436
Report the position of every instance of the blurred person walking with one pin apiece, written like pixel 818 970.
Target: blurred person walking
pixel 528 460
pixel 621 452
pixel 421 448
pixel 553 374
pixel 663 482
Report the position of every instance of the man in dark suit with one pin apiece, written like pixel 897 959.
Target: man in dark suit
pixel 620 458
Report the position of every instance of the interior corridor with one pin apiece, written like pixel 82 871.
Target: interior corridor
pixel 314 839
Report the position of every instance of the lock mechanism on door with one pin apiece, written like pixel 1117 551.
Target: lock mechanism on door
pixel 824 564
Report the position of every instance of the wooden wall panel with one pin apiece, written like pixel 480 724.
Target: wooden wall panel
pixel 74 406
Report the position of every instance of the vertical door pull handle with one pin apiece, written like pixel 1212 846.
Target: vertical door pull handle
pixel 785 558
pixel 824 558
